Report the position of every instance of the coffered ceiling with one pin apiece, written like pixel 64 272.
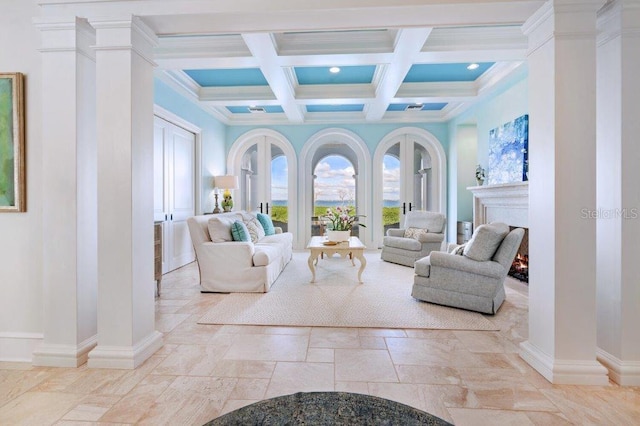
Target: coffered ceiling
pixel 385 75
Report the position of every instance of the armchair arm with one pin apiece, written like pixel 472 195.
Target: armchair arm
pixel 431 237
pixel 278 229
pixel 395 232
pixel 461 263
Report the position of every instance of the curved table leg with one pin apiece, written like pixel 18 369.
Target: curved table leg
pixel 311 265
pixel 363 264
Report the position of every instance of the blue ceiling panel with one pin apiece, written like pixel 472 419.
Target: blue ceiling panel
pixel 228 77
pixel 347 75
pixel 335 108
pixel 428 73
pixel 269 109
pixel 425 107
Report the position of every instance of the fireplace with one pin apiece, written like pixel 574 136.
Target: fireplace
pixel 520 266
pixel 508 203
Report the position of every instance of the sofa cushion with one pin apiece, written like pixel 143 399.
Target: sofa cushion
pixel 432 221
pixel 415 233
pixel 267 223
pixel 220 227
pixel 402 243
pixel 239 231
pixel 284 239
pixel 485 241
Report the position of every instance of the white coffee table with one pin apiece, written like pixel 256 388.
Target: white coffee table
pixel 353 247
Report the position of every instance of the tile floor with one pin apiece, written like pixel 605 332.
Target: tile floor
pixel 203 371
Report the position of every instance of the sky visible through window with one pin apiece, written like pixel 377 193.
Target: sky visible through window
pixel 335 180
pixel 279 180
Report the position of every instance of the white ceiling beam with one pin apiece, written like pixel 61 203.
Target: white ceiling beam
pixel 207 16
pixel 336 59
pixel 468 56
pixel 200 63
pixel 247 94
pixel 263 49
pixel 408 45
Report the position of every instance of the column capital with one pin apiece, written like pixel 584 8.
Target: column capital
pixel 561 19
pixel 618 17
pixel 125 33
pixel 71 34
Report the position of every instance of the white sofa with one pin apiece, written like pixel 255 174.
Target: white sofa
pixel 229 266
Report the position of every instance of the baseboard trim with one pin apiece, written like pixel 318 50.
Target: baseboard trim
pixel 624 373
pixel 19 347
pixel 125 357
pixel 72 356
pixel 564 372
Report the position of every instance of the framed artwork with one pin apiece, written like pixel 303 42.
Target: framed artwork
pixel 508 152
pixel 12 161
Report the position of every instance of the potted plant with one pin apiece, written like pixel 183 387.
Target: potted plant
pixel 341 221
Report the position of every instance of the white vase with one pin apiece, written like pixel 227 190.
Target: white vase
pixel 338 236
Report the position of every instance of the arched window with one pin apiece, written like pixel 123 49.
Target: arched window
pixel 265 163
pixel 319 149
pixel 334 184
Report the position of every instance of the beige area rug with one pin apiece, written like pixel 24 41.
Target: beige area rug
pixel 336 299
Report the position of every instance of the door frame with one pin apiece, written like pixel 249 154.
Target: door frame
pixel 359 147
pixel 438 175
pixel 245 141
pixel 190 127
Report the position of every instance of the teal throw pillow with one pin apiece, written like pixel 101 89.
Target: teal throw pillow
pixel 239 231
pixel 267 224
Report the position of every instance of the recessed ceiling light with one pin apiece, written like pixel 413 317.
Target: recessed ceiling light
pixel 472 66
pixel 334 70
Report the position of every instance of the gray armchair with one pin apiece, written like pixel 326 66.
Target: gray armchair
pixel 473 280
pixel 428 236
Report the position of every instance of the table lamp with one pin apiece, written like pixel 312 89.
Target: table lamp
pixel 227 182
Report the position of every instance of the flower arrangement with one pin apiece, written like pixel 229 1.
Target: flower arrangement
pixel 341 218
pixel 480 174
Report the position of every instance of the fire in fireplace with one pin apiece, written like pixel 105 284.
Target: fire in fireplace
pixel 520 266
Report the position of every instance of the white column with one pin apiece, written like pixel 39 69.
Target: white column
pixel 618 213
pixel 124 70
pixel 69 193
pixel 562 154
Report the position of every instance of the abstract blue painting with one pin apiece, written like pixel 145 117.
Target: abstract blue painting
pixel 508 152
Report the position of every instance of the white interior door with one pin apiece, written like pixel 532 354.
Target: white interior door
pixel 174 195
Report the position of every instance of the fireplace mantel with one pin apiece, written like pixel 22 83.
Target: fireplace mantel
pixel 507 202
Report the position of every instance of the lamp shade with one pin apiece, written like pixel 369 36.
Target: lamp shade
pixel 226 182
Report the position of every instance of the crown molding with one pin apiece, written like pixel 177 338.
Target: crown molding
pixel 179 82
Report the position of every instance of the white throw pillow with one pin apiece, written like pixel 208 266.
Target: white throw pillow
pixel 254 226
pixel 220 227
pixel 485 241
pixel 459 250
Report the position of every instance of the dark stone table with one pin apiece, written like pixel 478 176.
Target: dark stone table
pixel 327 408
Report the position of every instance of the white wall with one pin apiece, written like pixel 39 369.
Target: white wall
pixel 21 233
pixel 506 106
pixel 467 142
pixel 467 150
